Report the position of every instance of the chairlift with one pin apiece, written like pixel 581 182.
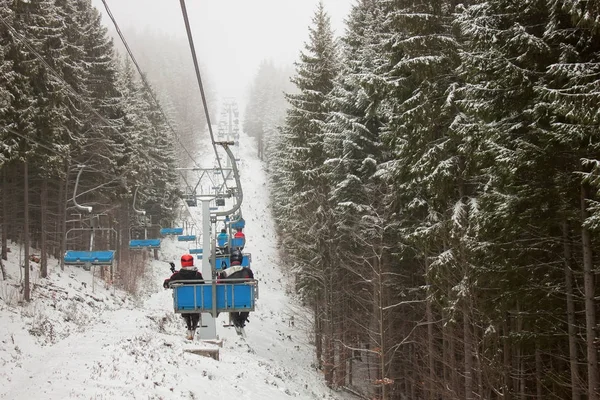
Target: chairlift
pixel 191 201
pixel 187 238
pixel 88 258
pixel 232 295
pixel 136 242
pixel 171 231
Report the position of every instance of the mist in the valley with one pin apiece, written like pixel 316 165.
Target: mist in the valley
pixel 232 37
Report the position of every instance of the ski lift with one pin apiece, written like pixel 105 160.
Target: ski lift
pixel 186 238
pixel 190 237
pixel 171 231
pixel 237 295
pixel 82 258
pixel 135 242
pixel 197 249
pixel 190 200
pixel 239 223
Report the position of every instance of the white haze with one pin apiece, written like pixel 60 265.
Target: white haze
pixel 231 36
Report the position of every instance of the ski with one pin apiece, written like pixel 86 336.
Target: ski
pixel 240 331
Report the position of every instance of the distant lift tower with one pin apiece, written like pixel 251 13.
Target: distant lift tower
pixel 229 123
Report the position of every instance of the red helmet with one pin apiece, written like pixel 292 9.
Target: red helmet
pixel 187 260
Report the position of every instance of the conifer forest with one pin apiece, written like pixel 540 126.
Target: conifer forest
pixel 434 177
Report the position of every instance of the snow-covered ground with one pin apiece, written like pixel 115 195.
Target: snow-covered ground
pixel 80 339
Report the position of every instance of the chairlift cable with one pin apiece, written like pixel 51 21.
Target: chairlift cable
pixel 145 81
pixel 66 85
pixel 199 79
pixel 56 75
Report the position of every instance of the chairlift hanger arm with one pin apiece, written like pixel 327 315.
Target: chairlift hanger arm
pixel 78 206
pixel 236 175
pixel 139 212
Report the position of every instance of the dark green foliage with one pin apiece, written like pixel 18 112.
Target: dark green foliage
pixel 460 144
pixel 66 101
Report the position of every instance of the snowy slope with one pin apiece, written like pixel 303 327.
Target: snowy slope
pixel 78 339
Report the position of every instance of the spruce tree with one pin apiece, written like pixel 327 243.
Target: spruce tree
pixel 307 215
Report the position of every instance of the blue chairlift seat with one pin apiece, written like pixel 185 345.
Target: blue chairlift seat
pixel 240 223
pixel 171 231
pixel 231 297
pixel 144 244
pixel 195 251
pixel 246 260
pixel 74 257
pixel 223 262
pixel 186 238
pixel 238 242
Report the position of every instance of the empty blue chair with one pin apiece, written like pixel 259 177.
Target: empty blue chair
pixel 144 244
pixel 186 238
pixel 238 242
pixel 195 251
pixel 74 257
pixel 171 231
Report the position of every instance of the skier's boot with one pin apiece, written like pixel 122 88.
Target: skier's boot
pixel 190 334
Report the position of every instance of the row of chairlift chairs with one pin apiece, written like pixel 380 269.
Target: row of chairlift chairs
pixel 209 297
pixel 235 296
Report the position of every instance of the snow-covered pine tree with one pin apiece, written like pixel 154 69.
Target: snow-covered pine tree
pixel 570 101
pixel 354 154
pixel 265 107
pixel 522 203
pixel 308 225
pixel 430 180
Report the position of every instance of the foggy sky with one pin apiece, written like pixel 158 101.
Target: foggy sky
pixel 231 36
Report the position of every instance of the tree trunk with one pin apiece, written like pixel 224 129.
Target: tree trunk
pixel 44 229
pixel 318 332
pixel 456 385
pixel 590 311
pixel 430 345
pixel 571 322
pixel 4 277
pixel 507 352
pixel 63 215
pixel 468 350
pixel 26 289
pixel 379 304
pixel 4 215
pixel 538 372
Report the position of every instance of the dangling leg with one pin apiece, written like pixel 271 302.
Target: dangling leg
pixel 195 320
pixel 238 320
pixel 244 318
pixel 188 322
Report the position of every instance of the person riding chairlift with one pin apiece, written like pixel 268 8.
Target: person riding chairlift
pixel 187 273
pixel 222 239
pixel 236 271
pixel 239 234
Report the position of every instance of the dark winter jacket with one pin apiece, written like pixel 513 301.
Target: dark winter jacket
pixel 184 275
pixel 237 272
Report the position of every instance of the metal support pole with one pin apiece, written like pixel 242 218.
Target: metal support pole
pixel 208 330
pixel 229 132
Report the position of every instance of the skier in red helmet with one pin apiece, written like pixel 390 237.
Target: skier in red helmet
pixel 186 273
